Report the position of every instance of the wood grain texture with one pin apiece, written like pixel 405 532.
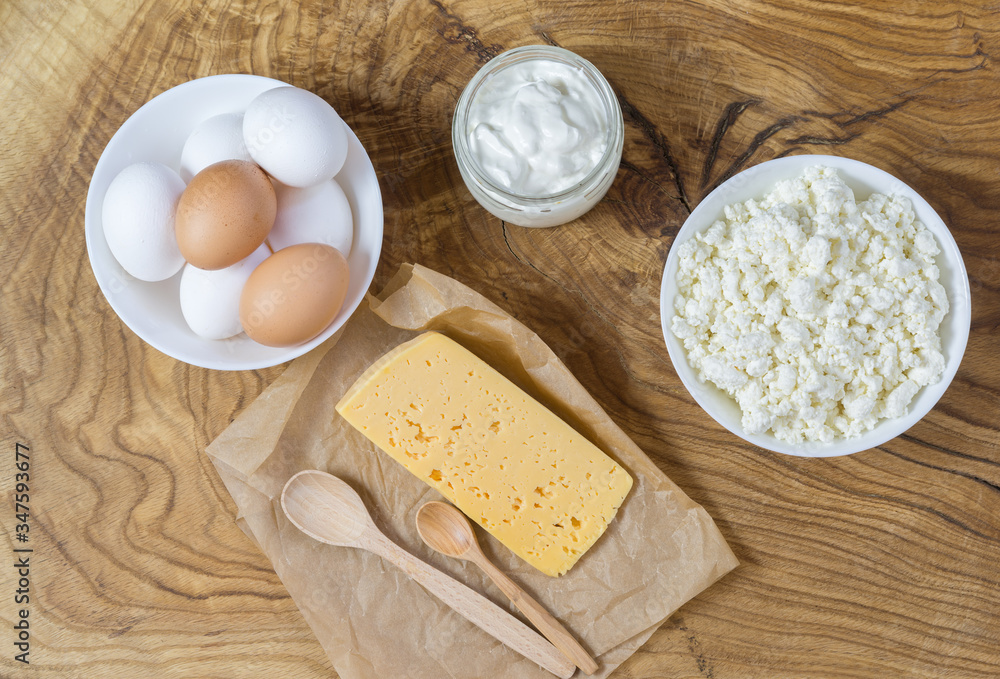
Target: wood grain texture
pixel 883 563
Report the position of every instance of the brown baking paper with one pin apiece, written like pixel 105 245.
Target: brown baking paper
pixel 373 621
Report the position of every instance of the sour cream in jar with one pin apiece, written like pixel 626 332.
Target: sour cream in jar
pixel 538 136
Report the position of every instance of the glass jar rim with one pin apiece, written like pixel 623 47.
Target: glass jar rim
pixel 516 55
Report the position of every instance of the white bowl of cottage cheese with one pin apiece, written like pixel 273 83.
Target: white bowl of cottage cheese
pixel 815 306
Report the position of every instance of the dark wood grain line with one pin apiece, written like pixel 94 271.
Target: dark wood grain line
pixel 529 264
pixel 845 119
pixel 936 512
pixel 965 475
pixel 646 177
pixel 785 581
pixel 548 39
pixel 728 118
pixel 845 632
pixel 949 451
pixel 899 501
pixel 984 60
pixel 649 130
pixel 809 140
pixel 456 32
pixel 788 151
pixel 980 416
pixel 734 109
pixel 844 616
pixel 757 141
pixel 694 647
pixel 659 142
pixel 972 477
pixel 841 538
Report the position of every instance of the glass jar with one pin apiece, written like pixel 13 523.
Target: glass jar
pixel 539 209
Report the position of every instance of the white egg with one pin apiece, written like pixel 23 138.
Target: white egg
pixel 138 219
pixel 217 138
pixel 210 300
pixel 295 136
pixel 318 214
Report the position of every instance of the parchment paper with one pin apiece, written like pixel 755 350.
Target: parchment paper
pixel 374 622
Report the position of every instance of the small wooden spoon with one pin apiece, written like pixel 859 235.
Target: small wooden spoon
pixel 327 509
pixel 446 530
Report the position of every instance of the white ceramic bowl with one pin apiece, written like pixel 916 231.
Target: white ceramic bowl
pixel 863 180
pixel 156 132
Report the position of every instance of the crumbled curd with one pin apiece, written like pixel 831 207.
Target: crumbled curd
pixel 818 314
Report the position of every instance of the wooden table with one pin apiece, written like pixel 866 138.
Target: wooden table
pixel 883 563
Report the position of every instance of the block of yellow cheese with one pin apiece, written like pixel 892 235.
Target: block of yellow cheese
pixel 501 457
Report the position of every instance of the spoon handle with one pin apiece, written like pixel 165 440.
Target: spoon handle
pixel 539 617
pixel 476 608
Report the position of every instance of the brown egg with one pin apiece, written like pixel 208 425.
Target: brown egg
pixel 224 214
pixel 294 294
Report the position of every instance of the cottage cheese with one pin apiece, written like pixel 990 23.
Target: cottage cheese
pixel 818 314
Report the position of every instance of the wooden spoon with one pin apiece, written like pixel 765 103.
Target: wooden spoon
pixel 327 509
pixel 446 530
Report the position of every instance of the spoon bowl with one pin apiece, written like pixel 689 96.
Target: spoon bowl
pixel 444 529
pixel 325 508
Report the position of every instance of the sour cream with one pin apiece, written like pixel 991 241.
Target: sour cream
pixel 538 136
pixel 538 127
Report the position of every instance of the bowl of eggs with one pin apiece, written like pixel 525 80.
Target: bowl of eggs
pixel 234 222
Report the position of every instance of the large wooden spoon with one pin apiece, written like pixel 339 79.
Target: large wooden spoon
pixel 446 530
pixel 326 509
